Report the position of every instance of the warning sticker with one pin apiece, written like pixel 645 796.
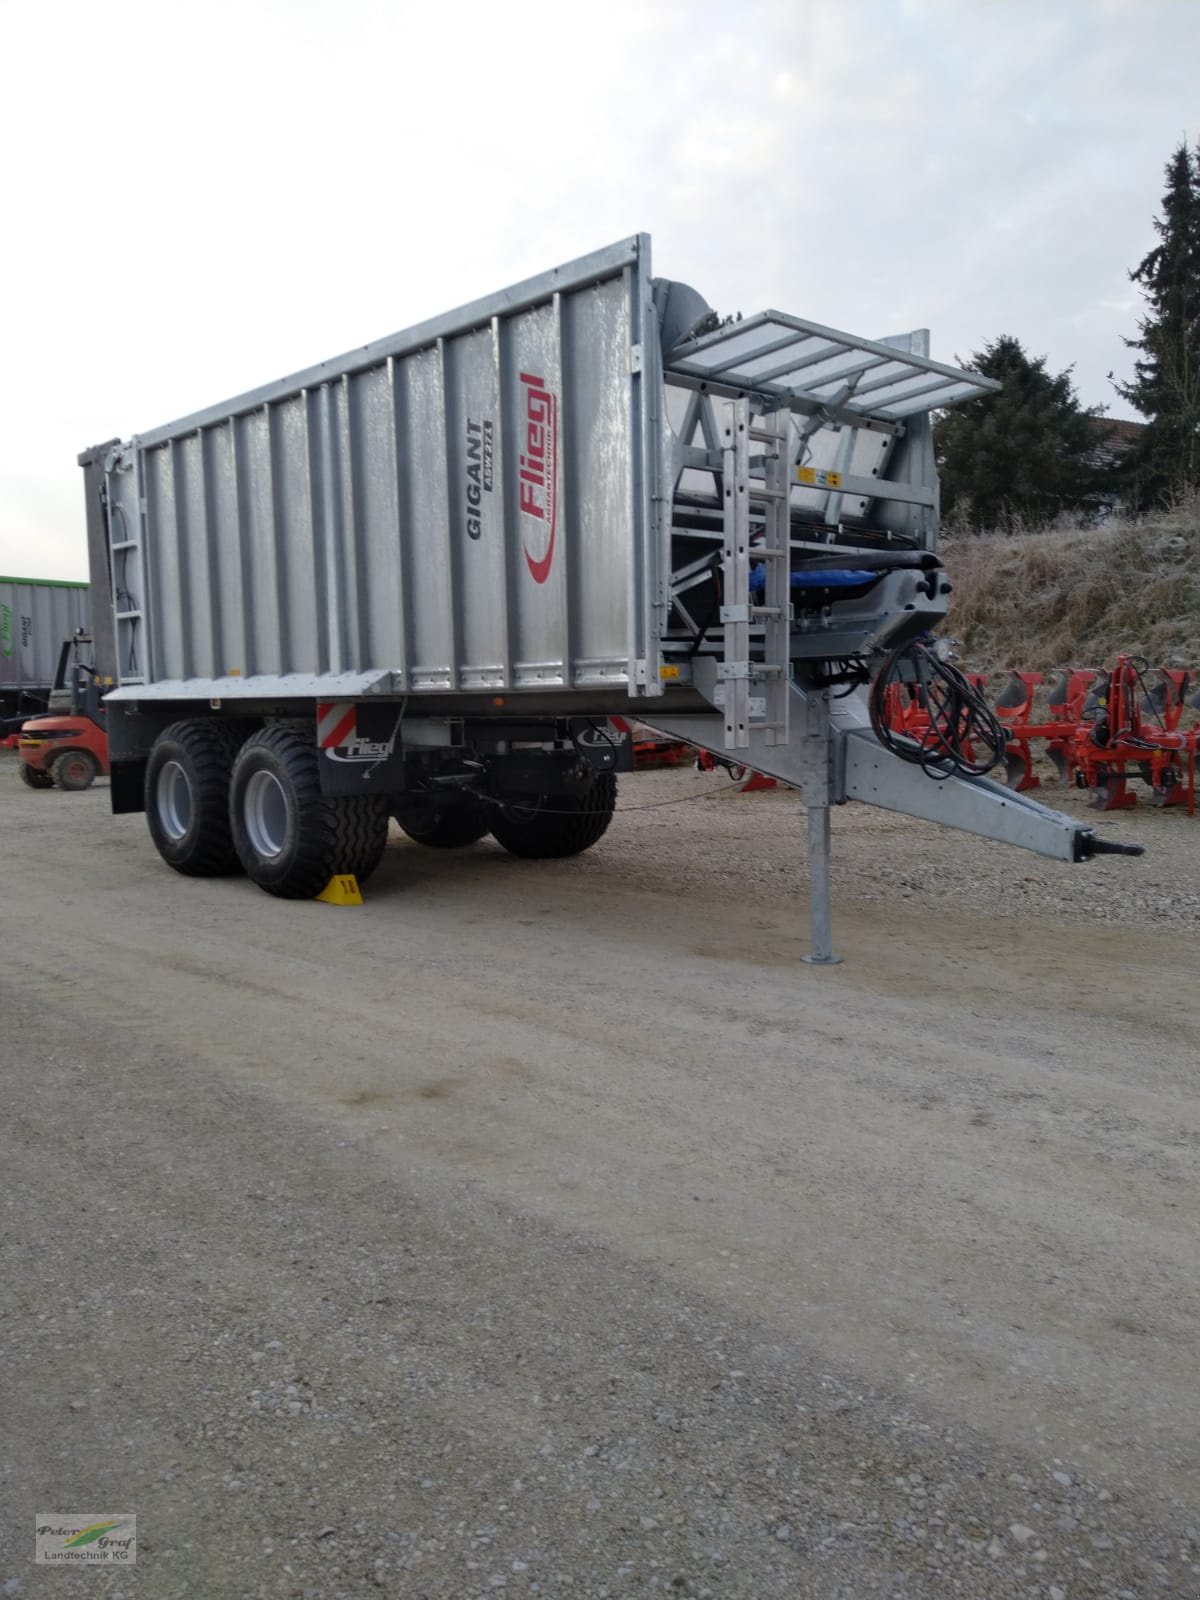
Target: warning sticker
pixel 818 478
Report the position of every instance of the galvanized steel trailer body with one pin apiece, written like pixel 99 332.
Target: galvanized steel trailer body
pixel 36 616
pixel 581 497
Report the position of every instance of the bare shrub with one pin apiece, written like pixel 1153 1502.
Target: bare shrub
pixel 1078 595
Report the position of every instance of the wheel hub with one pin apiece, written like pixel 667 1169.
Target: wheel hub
pixel 265 811
pixel 173 797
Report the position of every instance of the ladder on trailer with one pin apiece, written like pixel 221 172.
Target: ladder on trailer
pixel 753 479
pixel 128 575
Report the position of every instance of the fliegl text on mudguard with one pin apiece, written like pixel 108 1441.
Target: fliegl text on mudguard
pixel 362 751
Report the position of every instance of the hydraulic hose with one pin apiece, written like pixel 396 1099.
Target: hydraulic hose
pixel 960 733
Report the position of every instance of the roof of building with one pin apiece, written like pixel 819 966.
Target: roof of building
pixel 1114 437
pixel 1116 431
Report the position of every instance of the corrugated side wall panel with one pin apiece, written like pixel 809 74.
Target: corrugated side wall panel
pixel 423 489
pixel 198 540
pixel 167 585
pixel 379 532
pixel 235 536
pixel 35 618
pixel 598 503
pixel 264 644
pixel 463 512
pixel 480 549
pixel 303 583
pixel 533 405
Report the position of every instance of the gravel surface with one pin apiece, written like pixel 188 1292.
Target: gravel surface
pixel 884 859
pixel 548 1229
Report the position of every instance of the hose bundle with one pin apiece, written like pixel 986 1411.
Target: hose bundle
pixel 955 730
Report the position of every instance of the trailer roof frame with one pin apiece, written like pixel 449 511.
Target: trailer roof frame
pixel 912 386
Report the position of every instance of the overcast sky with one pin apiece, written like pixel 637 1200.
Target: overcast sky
pixel 202 197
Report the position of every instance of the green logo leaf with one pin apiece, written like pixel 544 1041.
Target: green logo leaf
pixel 90 1535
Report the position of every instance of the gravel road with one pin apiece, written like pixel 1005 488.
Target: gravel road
pixel 549 1229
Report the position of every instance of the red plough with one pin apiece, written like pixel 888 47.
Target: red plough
pixel 1131 728
pixel 1101 730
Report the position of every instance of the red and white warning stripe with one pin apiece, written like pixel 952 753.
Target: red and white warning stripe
pixel 336 723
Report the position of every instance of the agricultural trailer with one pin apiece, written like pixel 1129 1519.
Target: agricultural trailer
pixel 36 615
pixel 436 577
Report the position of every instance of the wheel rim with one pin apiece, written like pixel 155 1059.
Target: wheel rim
pixel 265 810
pixel 76 768
pixel 173 797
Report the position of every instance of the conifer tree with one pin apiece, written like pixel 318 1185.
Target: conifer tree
pixel 1018 457
pixel 1165 463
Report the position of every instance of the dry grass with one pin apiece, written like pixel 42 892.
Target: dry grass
pixel 1075 596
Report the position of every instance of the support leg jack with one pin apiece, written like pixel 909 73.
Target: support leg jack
pixel 821 954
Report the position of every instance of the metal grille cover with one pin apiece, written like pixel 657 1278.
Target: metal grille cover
pixel 808 367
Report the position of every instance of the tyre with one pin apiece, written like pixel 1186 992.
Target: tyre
pixel 553 826
pixel 187 797
pixel 74 769
pixel 35 778
pixel 447 827
pixel 290 838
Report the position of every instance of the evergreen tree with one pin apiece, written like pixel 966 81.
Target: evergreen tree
pixel 1018 457
pixel 1166 383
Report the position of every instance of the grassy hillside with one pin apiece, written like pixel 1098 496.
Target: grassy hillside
pixel 1073 596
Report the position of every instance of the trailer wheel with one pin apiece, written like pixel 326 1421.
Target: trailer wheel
pixel 74 769
pixel 35 778
pixel 187 797
pixel 447 827
pixel 553 826
pixel 290 837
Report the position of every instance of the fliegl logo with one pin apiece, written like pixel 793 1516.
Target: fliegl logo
pixel 340 739
pixel 359 749
pixel 71 1536
pixel 6 631
pixel 538 475
pixel 601 736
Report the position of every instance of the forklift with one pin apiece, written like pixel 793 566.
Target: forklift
pixel 68 745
